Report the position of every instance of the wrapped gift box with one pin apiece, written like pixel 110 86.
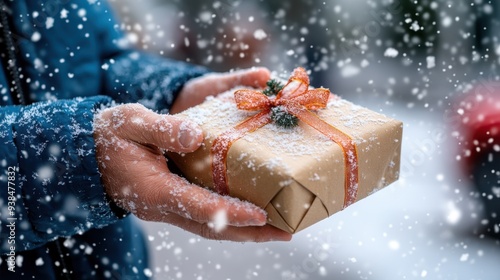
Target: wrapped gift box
pixel 296 174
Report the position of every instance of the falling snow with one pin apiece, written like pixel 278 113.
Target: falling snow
pixel 35 37
pixel 260 34
pixel 411 60
pixel 219 221
pixel 39 262
pixel 391 52
pixel 49 22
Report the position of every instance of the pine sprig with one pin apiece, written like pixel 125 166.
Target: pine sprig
pixel 273 87
pixel 279 116
pixel 283 118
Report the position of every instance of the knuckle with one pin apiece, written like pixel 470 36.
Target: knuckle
pixel 125 112
pixel 128 111
pixel 163 129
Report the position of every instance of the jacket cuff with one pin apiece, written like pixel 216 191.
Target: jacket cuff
pixel 63 193
pixel 102 210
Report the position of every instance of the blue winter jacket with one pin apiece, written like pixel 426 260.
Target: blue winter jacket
pixel 71 59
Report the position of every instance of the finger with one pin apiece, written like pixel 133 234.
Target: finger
pixel 256 77
pixel 135 122
pixel 197 90
pixel 238 234
pixel 201 205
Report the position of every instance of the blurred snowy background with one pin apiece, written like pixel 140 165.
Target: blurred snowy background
pixel 406 59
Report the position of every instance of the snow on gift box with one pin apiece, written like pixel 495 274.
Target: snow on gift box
pixel 337 153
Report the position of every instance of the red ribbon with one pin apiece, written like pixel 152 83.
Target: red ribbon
pixel 297 99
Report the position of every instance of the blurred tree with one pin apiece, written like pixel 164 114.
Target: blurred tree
pixel 414 30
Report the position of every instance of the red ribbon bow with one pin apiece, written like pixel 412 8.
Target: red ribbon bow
pixel 297 99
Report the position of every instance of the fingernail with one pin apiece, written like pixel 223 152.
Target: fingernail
pixel 255 222
pixel 189 135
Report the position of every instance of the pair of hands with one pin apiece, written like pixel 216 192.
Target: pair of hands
pixel 129 141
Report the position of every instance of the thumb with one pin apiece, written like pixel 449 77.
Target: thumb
pixel 163 131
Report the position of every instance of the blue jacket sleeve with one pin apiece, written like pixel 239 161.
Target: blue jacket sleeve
pixel 48 150
pixel 134 76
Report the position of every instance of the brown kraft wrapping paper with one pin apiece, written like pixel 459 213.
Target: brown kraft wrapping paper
pixel 296 175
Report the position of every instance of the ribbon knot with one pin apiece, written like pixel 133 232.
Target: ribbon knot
pixel 295 93
pixel 297 99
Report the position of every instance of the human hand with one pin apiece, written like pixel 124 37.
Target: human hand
pixel 196 90
pixel 130 141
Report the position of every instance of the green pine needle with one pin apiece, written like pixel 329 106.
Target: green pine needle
pixel 283 119
pixel 273 87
